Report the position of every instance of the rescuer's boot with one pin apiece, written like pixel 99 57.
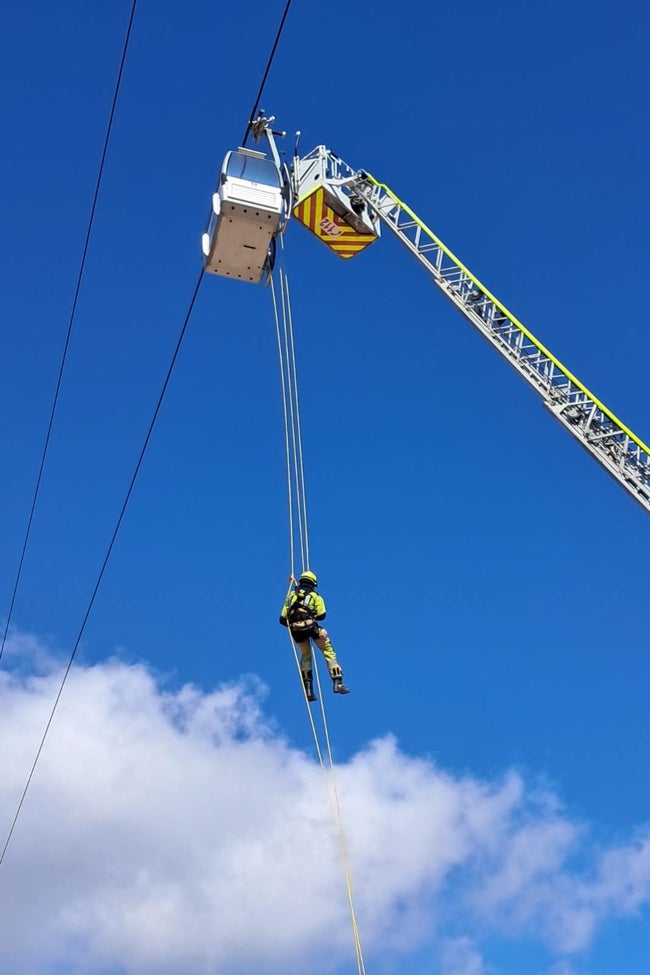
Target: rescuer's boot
pixel 337 681
pixel 308 681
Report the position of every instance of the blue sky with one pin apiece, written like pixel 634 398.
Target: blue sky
pixel 486 581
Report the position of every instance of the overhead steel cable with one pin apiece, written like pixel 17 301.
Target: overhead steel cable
pixel 258 99
pixel 107 556
pixel 73 311
pixel 147 437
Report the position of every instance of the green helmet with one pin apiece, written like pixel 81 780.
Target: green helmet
pixel 308 579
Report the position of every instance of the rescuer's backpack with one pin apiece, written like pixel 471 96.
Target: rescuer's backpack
pixel 301 615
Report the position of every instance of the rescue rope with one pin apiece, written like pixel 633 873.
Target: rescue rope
pixel 286 425
pixel 337 818
pixel 331 788
pixel 291 411
pixel 300 485
pixel 296 442
pixel 298 512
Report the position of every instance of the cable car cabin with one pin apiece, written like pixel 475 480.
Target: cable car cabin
pixel 247 211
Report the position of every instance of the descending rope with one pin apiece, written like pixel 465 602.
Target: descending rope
pixel 286 424
pixel 73 310
pixel 337 818
pixel 300 481
pixel 288 351
pixel 297 505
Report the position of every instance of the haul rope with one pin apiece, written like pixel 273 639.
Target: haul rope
pixel 298 530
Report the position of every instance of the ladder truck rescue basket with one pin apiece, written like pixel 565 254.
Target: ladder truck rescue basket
pixel 329 208
pixel 248 209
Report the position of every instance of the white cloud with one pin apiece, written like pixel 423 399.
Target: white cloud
pixel 179 832
pixel 459 956
pixel 561 968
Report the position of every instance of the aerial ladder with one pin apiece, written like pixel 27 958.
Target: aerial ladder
pixel 346 209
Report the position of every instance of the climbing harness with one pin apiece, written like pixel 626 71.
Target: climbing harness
pixel 301 614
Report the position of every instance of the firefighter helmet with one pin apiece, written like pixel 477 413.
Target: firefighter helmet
pixel 308 579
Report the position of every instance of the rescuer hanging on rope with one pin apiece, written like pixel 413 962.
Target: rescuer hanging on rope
pixel 302 612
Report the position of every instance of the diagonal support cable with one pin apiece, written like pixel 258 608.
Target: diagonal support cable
pixel 258 99
pixel 107 556
pixel 71 319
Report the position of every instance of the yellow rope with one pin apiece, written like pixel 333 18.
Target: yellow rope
pixel 338 825
pixel 329 773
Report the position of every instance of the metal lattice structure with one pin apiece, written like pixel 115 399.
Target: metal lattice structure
pixel 618 450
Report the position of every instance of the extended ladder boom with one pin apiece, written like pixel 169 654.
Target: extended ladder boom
pixel 619 451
